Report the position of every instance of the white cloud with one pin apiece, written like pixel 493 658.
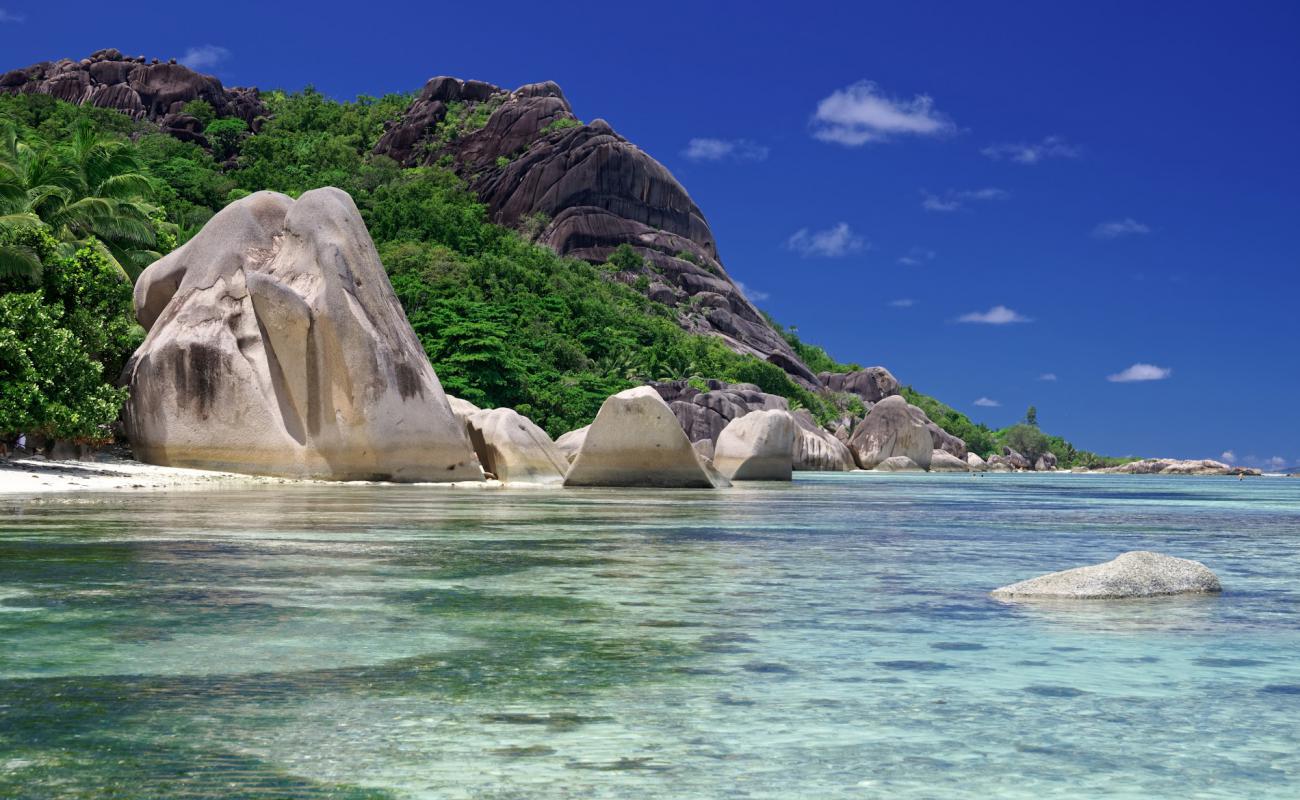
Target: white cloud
pixel 8 16
pixel 956 199
pixel 204 57
pixel 1141 372
pixel 860 113
pixel 1032 152
pixel 904 302
pixel 831 243
pixel 705 149
pixel 917 256
pixel 1275 463
pixel 1047 376
pixel 997 315
pixel 1121 227
pixel 1228 456
pixel 985 402
pixel 754 295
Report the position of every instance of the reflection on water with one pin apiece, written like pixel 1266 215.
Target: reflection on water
pixel 833 638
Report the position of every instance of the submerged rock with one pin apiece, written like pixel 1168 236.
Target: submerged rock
pixel 891 430
pixel 1139 573
pixel 511 447
pixel 757 447
pixel 636 441
pixel 276 346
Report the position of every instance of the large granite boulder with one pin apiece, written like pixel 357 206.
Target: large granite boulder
pixel 636 441
pixel 513 449
pixel 891 429
pixel 142 90
pixel 704 413
pixel 1015 459
pixel 1135 574
pixel 939 438
pixel 975 463
pixel 276 346
pixel 463 409
pixel 570 443
pixel 872 384
pixel 816 450
pixel 757 447
pixel 583 190
pixel 898 464
pixel 943 461
pixel 1046 462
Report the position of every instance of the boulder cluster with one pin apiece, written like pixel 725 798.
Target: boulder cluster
pixel 1173 466
pixel 141 88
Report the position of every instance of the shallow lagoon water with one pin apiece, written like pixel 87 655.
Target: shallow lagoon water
pixel 832 638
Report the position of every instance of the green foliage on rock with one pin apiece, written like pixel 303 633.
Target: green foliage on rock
pixel 979 438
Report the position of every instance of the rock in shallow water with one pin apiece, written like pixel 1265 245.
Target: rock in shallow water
pixel 1139 573
pixel 636 441
pixel 757 447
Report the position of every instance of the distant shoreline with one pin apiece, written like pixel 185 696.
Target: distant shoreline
pixel 28 476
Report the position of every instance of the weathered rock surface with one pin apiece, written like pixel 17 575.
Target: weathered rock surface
pixel 1173 466
pixel 1046 462
pixel 1014 459
pixel 939 438
pixel 570 443
pixel 463 409
pixel 816 450
pixel 588 190
pixel 943 461
pixel 757 447
pixel 891 429
pixel 872 384
pixel 976 463
pixel 143 90
pixel 898 464
pixel 513 449
pixel 636 441
pixel 276 346
pixel 703 414
pixel 1135 574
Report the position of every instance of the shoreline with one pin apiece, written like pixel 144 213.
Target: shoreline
pixel 38 476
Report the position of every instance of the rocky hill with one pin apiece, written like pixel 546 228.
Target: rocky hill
pixel 580 189
pixel 585 190
pixel 144 89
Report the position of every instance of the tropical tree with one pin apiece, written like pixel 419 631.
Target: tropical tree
pixel 90 190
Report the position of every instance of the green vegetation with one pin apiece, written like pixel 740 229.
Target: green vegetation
pixel 563 123
pixel 88 197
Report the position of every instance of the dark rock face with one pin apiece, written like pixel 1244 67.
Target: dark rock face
pixel 872 384
pixel 153 91
pixel 703 414
pixel 583 191
pixel 1015 459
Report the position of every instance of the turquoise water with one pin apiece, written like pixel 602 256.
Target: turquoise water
pixel 828 639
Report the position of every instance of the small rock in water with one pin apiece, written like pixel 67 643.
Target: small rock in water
pixel 1135 574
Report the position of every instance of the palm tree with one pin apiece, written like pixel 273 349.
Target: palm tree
pixel 89 190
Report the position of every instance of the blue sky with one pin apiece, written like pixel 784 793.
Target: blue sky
pixel 974 197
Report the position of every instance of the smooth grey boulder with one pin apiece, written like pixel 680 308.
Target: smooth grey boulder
pixel 943 461
pixel 1014 459
pixel 898 464
pixel 570 443
pixel 276 346
pixel 816 450
pixel 512 448
pixel 1046 462
pixel 757 447
pixel 976 463
pixel 889 430
pixel 636 441
pixel 1139 573
pixel 463 409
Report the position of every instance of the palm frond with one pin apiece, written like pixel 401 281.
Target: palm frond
pixel 19 262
